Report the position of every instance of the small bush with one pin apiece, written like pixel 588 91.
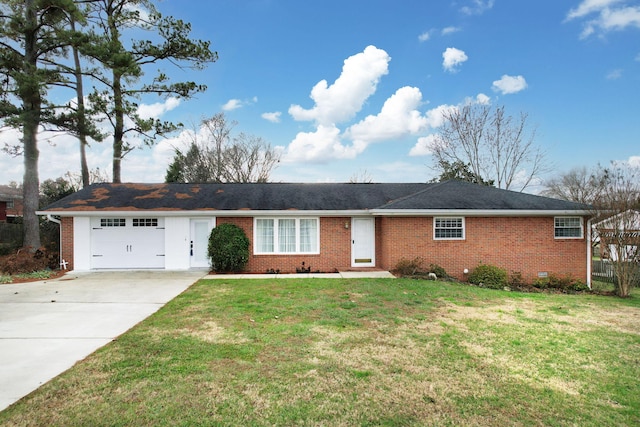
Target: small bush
pixel 23 261
pixel 415 268
pixel 438 271
pixel 489 276
pixel 406 267
pixel 564 284
pixel 228 248
pixel 516 279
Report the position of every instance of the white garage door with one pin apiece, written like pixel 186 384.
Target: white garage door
pixel 127 243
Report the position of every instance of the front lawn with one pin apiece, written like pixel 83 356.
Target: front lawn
pixel 367 352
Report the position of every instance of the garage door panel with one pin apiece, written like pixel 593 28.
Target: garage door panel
pixel 127 243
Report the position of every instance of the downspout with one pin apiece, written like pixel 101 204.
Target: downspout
pixel 589 233
pixel 57 221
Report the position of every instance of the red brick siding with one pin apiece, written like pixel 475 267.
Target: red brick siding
pixel 66 244
pixel 3 211
pixel 17 208
pixel 525 245
pixel 335 248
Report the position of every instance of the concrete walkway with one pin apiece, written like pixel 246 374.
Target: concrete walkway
pixel 46 327
pixel 339 275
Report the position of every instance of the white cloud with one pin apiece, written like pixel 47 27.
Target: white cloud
pixel 610 15
pixel 345 97
pixel 436 118
pixel 634 161
pixel 477 7
pixel 423 147
pixel 59 152
pixel 397 118
pixel 590 6
pixel 424 36
pixel 147 111
pixel 449 30
pixel 453 57
pixel 234 104
pixel 272 117
pixel 510 84
pixel 483 99
pixel 614 74
pixel 319 146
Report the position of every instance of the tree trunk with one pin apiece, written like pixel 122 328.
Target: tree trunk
pixel 31 103
pixel 118 130
pixel 82 120
pixel 118 106
pixel 31 183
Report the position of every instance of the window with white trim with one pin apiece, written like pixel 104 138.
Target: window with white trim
pixel 448 228
pixel 113 222
pixel 567 227
pixel 145 222
pixel 286 236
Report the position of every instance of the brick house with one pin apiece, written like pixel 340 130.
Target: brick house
pixel 10 203
pixel 329 227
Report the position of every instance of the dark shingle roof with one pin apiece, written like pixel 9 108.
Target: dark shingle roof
pixel 450 195
pixel 10 193
pixel 460 195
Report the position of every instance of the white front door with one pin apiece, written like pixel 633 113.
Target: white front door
pixel 200 230
pixel 363 247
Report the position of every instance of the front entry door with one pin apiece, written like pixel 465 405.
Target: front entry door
pixel 200 230
pixel 363 248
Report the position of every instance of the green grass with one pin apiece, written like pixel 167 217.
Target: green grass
pixel 34 275
pixel 357 352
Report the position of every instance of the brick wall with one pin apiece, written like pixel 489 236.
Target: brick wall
pixel 525 245
pixel 335 248
pixel 66 250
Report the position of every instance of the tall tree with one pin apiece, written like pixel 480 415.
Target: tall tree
pixel 75 118
pixel 580 185
pixel 361 177
pixel 618 208
pixel 125 66
pixel 33 38
pixel 460 171
pixel 214 155
pixel 494 145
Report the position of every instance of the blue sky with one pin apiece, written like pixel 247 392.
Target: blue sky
pixel 348 86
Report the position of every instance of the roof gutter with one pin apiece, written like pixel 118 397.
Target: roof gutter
pixel 477 212
pixel 207 213
pixel 323 213
pixel 51 218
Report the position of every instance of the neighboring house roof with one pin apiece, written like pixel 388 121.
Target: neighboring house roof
pixel 381 199
pixel 10 193
pixel 628 220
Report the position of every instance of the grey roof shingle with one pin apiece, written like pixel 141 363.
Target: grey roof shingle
pixel 452 195
pixel 460 195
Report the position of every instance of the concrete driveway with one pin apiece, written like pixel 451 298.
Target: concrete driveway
pixel 46 327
